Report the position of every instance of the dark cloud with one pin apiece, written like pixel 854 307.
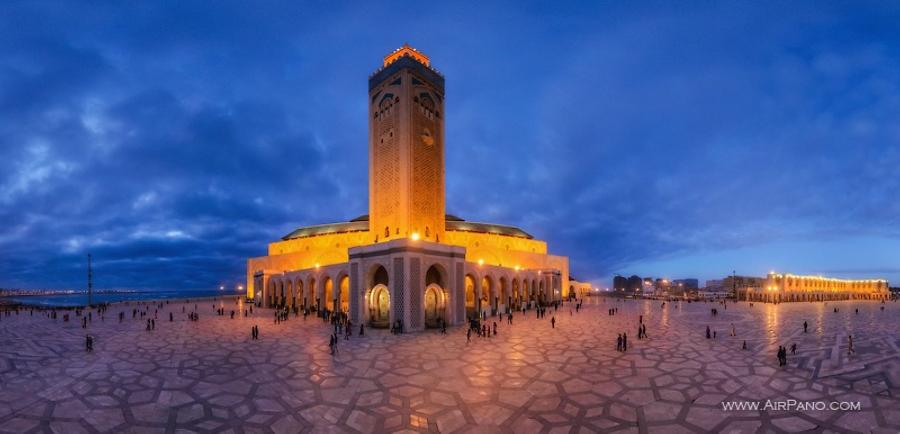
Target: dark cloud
pixel 174 140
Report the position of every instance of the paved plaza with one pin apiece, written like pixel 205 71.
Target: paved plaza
pixel 208 376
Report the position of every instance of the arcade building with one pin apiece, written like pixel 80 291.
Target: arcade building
pixel 407 260
pixel 786 287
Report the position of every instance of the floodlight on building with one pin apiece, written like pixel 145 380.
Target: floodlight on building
pixel 414 236
pixel 317 265
pixel 481 262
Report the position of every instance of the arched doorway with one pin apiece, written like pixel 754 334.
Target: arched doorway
pixel 378 299
pixel 471 302
pixel 435 297
pixel 312 295
pixel 503 301
pixel 290 293
pixel 329 301
pixel 344 297
pixel 380 304
pixel 514 298
pixel 487 294
pixel 270 295
pixel 301 295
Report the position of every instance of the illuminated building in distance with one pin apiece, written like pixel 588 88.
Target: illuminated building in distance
pixel 782 287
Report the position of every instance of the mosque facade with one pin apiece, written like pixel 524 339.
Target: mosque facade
pixel 408 260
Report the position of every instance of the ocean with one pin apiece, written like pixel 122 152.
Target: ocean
pixel 81 298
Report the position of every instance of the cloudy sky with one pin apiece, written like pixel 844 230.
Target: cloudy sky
pixel 175 139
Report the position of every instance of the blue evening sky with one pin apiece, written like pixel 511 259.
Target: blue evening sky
pixel 174 139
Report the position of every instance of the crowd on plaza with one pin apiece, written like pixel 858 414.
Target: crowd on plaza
pixel 483 325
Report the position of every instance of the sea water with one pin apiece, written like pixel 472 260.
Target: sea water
pixel 81 298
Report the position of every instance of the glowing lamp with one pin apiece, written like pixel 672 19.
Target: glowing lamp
pixel 415 236
pixel 481 262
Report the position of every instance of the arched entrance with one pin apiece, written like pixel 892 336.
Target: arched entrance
pixel 435 297
pixel 471 302
pixel 378 298
pixel 344 296
pixel 487 294
pixel 514 298
pixel 312 295
pixel 301 294
pixel 329 300
pixel 379 307
pixel 503 300
pixel 434 306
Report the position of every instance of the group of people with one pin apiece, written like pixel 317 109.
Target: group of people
pixel 782 356
pixel 622 342
pixel 642 331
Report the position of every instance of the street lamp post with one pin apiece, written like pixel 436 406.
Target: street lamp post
pixel 90 283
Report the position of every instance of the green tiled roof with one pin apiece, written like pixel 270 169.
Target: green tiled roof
pixel 361 223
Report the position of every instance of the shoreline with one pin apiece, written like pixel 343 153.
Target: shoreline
pixel 6 304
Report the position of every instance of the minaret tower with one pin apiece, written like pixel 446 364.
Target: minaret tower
pixel 406 148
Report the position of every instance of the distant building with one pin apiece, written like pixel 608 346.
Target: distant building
pixel 620 283
pixel 687 284
pixel 578 289
pixel 778 287
pixel 735 284
pixel 634 284
pixel 715 285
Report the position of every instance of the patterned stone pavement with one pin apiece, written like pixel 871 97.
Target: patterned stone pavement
pixel 208 376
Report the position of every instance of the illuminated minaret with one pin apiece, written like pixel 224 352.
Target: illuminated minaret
pixel 406 148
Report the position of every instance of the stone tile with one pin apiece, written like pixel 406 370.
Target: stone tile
pixel 208 376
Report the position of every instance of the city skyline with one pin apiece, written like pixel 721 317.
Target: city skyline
pixel 679 142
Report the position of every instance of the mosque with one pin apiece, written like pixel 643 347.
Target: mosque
pixel 407 260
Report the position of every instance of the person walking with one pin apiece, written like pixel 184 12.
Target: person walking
pixel 469 335
pixel 553 322
pixel 619 343
pixel 793 348
pixel 708 333
pixel 805 326
pixel 624 342
pixel 733 333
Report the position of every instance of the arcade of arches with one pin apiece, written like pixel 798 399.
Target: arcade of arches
pixel 781 288
pixel 418 299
